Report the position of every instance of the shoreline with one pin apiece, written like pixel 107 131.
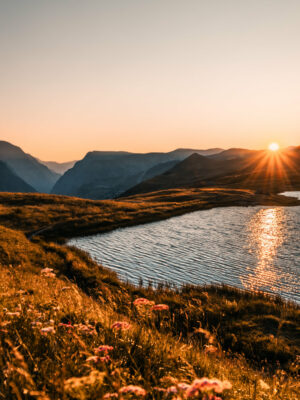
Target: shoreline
pixel 59 218
pixel 69 229
pixel 272 200
pixel 247 318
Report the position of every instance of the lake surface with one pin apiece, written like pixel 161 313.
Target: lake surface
pixel 248 247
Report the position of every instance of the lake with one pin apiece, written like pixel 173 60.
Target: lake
pixel 247 247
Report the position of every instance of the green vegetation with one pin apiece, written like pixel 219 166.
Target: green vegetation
pixel 57 306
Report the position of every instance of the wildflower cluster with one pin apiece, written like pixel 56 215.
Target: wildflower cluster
pixel 154 307
pixel 202 388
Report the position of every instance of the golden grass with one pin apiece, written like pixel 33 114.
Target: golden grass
pixel 54 364
pixel 217 332
pixel 66 217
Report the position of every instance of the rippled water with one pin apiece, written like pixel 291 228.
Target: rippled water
pixel 254 248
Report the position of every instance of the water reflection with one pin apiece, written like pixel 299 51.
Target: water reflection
pixel 248 247
pixel 266 233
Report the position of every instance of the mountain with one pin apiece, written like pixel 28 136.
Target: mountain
pixel 58 168
pixel 10 182
pixel 27 167
pixel 232 154
pixel 188 172
pixel 104 174
pixel 266 172
pixel 235 168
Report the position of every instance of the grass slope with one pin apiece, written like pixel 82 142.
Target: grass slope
pixel 51 323
pixel 66 217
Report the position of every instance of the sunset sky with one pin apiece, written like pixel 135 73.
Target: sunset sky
pixel 148 75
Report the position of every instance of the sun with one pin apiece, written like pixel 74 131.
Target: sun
pixel 274 146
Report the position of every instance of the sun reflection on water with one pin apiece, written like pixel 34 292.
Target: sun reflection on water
pixel 266 233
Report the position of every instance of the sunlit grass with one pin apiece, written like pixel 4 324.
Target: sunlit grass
pixel 51 332
pixel 58 307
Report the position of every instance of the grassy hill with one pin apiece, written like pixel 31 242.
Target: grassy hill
pixel 60 217
pixel 57 307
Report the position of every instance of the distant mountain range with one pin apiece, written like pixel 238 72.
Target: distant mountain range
pixel 10 182
pixel 111 174
pixel 26 167
pixel 59 168
pixel 103 175
pixel 236 168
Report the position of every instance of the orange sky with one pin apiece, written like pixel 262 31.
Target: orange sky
pixel 148 76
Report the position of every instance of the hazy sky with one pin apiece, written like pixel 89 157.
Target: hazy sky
pixel 148 75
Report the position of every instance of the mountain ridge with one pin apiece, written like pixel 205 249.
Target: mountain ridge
pixel 58 167
pixel 107 174
pixel 249 169
pixel 27 167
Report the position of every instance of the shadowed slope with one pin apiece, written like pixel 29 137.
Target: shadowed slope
pixel 187 173
pixel 10 182
pixel 235 168
pixel 27 167
pixel 103 175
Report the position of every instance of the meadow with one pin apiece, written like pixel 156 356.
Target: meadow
pixel 61 217
pixel 70 329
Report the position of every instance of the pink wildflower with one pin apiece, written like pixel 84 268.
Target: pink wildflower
pixel 68 325
pixel 137 390
pixel 181 386
pixel 103 348
pixel 172 389
pixel 160 307
pixel 159 389
pixel 97 359
pixel 36 323
pixel 111 395
pixel 205 384
pixel 87 329
pixel 48 329
pixel 121 325
pixel 143 302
